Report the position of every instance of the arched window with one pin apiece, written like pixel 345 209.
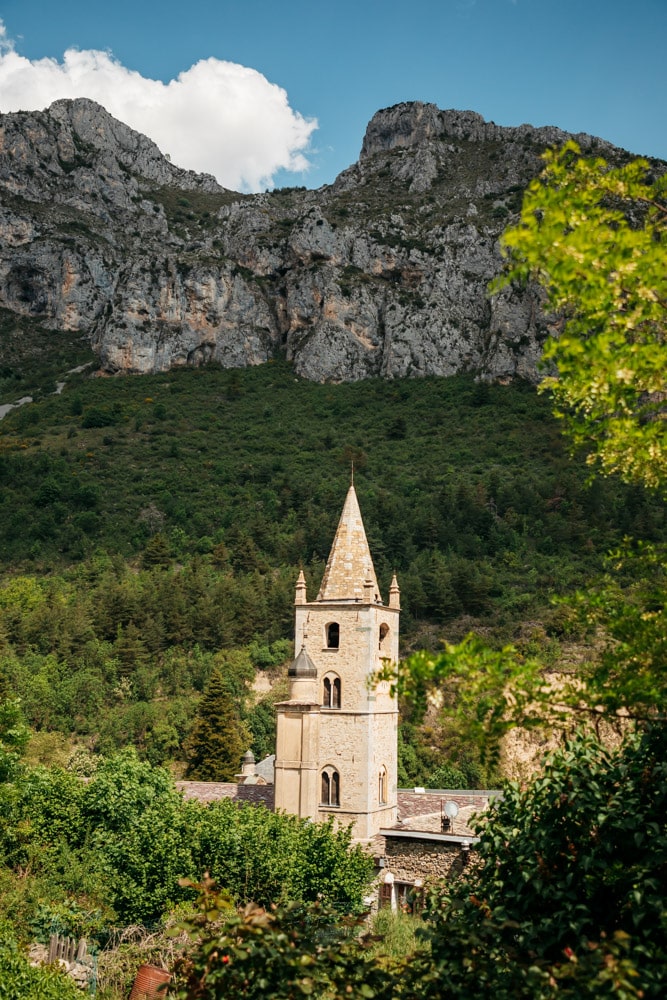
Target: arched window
pixel 330 787
pixel 335 789
pixel 331 691
pixel 382 786
pixel 384 632
pixel 333 635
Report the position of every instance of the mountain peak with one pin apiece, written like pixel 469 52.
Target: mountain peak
pixel 95 127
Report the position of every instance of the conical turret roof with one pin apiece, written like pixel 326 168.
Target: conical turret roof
pixel 303 666
pixel 349 565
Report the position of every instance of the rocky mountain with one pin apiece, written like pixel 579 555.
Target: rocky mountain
pixel 384 272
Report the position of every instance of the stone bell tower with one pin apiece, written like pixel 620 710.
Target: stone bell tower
pixel 336 752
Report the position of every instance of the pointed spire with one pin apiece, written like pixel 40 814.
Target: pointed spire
pixel 394 593
pixel 349 565
pixel 300 596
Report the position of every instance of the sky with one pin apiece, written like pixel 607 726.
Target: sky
pixel 263 93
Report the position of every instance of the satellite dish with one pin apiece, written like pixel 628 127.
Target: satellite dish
pixel 451 810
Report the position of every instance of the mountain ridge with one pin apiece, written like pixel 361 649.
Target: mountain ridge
pixel 382 273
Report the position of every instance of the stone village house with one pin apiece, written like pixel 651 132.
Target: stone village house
pixel 336 741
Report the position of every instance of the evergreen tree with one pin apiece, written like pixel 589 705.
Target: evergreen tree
pixel 129 649
pixel 218 738
pixel 157 552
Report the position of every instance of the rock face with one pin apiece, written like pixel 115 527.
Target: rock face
pixel 383 273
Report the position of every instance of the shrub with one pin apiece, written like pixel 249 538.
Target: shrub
pixel 21 981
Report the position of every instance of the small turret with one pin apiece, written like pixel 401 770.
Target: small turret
pixel 394 593
pixel 300 597
pixel 248 763
pixel 302 676
pixel 248 774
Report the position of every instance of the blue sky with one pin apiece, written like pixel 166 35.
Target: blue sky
pixel 597 66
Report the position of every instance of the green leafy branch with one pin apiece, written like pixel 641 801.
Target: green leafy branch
pixel 481 691
pixel 594 237
pixel 288 952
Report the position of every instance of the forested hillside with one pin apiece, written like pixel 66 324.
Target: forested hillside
pixel 152 528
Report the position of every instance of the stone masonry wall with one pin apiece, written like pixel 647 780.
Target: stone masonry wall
pixel 408 860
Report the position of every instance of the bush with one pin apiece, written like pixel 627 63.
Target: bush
pixel 97 416
pixel 21 981
pixel 280 954
pixel 569 892
pixel 267 857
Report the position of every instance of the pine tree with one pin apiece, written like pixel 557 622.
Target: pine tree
pixel 218 737
pixel 129 649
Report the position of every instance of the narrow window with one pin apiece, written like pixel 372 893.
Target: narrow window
pixel 382 786
pixel 331 691
pixel 384 632
pixel 330 787
pixel 333 635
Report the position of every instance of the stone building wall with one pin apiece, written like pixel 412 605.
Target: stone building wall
pixel 412 860
pixel 359 652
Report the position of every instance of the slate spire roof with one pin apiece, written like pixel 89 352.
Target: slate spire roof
pixel 350 565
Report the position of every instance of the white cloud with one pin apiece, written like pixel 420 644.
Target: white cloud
pixel 6 44
pixel 216 117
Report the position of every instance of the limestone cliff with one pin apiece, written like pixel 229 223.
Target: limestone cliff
pixel 384 272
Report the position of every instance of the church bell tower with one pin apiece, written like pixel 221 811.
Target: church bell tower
pixel 336 752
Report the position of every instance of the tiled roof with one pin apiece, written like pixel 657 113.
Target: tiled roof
pixel 213 791
pixel 417 811
pixel 423 810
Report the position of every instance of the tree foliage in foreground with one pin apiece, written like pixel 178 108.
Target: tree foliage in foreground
pixel 112 850
pixel 569 895
pixel 281 953
pixel 594 237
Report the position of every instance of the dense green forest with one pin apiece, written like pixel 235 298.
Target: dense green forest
pixel 152 528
